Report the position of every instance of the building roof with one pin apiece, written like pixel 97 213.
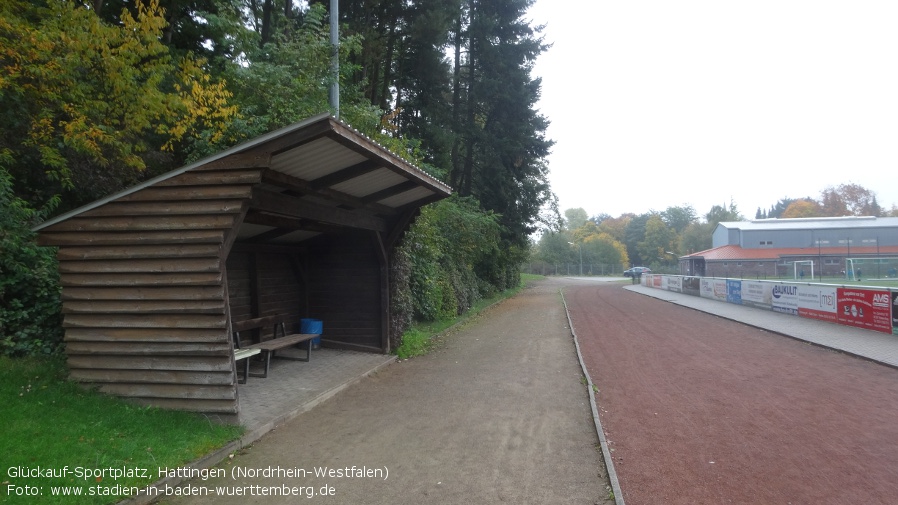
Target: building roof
pixel 811 223
pixel 738 253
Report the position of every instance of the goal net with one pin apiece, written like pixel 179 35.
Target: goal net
pixel 857 269
pixel 802 269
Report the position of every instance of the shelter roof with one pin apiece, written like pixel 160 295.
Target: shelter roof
pixel 317 175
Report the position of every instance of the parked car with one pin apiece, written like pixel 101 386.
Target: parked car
pixel 637 271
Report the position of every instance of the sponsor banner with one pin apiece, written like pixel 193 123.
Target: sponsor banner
pixel 656 281
pixel 895 312
pixel 675 284
pixel 757 294
pixel 716 289
pixel 817 302
pixel 784 298
pixel 734 291
pixel 692 286
pixel 865 308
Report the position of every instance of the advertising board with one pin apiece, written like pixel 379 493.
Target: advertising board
pixel 784 298
pixel 716 289
pixel 895 312
pixel 817 302
pixel 675 284
pixel 865 308
pixel 757 294
pixel 734 291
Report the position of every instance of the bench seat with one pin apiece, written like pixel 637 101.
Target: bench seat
pixel 268 348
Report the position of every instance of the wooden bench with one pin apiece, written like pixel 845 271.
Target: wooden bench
pixel 268 348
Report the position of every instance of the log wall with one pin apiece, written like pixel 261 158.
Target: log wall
pixel 144 293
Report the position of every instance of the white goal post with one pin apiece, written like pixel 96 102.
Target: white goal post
pixel 857 269
pixel 798 269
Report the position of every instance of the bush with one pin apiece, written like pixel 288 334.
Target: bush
pixel 30 307
pixel 445 264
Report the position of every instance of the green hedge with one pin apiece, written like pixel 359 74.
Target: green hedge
pixel 449 259
pixel 30 306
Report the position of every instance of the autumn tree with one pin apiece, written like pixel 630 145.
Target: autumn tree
pixel 616 226
pixel 86 106
pixel 802 208
pixel 849 200
pixel 601 248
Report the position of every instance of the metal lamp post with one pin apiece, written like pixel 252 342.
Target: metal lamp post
pixel 580 247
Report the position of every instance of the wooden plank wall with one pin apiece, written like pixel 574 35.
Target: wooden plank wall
pixel 344 290
pixel 264 283
pixel 144 294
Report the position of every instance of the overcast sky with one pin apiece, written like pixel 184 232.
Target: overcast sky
pixel 667 103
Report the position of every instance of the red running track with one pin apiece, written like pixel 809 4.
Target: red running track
pixel 701 410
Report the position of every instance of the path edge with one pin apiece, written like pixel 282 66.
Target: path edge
pixel 606 451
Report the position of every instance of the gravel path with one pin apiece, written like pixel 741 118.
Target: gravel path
pixel 498 413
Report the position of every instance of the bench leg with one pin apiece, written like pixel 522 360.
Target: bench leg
pixel 266 357
pixel 267 362
pixel 245 371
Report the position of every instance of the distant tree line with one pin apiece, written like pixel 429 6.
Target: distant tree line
pixel 842 200
pixel 657 238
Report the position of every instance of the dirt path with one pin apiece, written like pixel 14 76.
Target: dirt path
pixel 498 414
pixel 703 410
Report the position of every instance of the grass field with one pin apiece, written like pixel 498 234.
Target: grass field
pixel 51 424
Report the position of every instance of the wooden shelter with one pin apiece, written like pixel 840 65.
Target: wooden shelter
pixel 301 221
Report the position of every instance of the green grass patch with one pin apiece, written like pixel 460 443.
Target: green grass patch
pixel 52 423
pixel 418 339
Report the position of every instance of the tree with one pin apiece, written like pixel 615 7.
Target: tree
pixel 555 249
pixel 722 213
pixel 658 240
pixel 776 210
pixel 85 105
pixel 849 200
pixel 575 218
pixel 696 237
pixel 634 234
pixel 601 248
pixel 802 208
pixel 678 218
pixel 616 226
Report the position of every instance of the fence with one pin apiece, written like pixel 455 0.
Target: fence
pixel 592 269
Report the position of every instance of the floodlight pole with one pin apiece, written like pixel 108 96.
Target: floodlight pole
pixel 334 93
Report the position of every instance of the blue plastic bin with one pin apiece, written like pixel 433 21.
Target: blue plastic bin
pixel 312 326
